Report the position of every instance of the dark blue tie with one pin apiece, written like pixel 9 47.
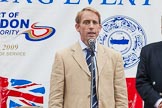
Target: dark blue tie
pixel 94 102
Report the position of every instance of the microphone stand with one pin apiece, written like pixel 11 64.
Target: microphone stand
pixel 91 43
pixel 92 74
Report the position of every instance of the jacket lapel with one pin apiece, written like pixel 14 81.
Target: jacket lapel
pixel 100 58
pixel 158 53
pixel 79 57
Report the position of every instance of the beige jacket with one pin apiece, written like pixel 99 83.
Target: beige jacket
pixel 71 80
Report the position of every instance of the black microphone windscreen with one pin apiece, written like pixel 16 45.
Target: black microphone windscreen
pixel 91 43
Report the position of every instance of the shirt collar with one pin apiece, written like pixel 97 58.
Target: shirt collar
pixel 83 46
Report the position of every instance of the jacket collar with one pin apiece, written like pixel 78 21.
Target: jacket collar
pixel 78 55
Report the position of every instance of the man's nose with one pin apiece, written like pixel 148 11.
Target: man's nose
pixel 91 25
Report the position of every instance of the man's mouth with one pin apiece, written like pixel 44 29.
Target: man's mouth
pixel 91 33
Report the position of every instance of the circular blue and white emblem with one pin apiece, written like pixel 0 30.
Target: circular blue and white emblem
pixel 125 35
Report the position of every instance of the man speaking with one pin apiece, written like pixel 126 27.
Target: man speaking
pixel 87 74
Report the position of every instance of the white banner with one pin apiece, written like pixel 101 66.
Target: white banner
pixel 31 31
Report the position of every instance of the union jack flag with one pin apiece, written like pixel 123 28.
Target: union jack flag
pixel 20 92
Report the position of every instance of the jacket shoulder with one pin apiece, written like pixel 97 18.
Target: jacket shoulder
pixel 153 45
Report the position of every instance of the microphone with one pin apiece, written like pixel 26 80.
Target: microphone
pixel 91 43
pixel 93 66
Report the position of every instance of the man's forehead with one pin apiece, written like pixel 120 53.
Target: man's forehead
pixel 89 18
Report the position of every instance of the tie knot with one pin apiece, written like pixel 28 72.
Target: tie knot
pixel 88 50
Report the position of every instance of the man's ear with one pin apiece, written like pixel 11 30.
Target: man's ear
pixel 100 26
pixel 77 27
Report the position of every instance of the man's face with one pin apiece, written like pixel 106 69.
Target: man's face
pixel 88 27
